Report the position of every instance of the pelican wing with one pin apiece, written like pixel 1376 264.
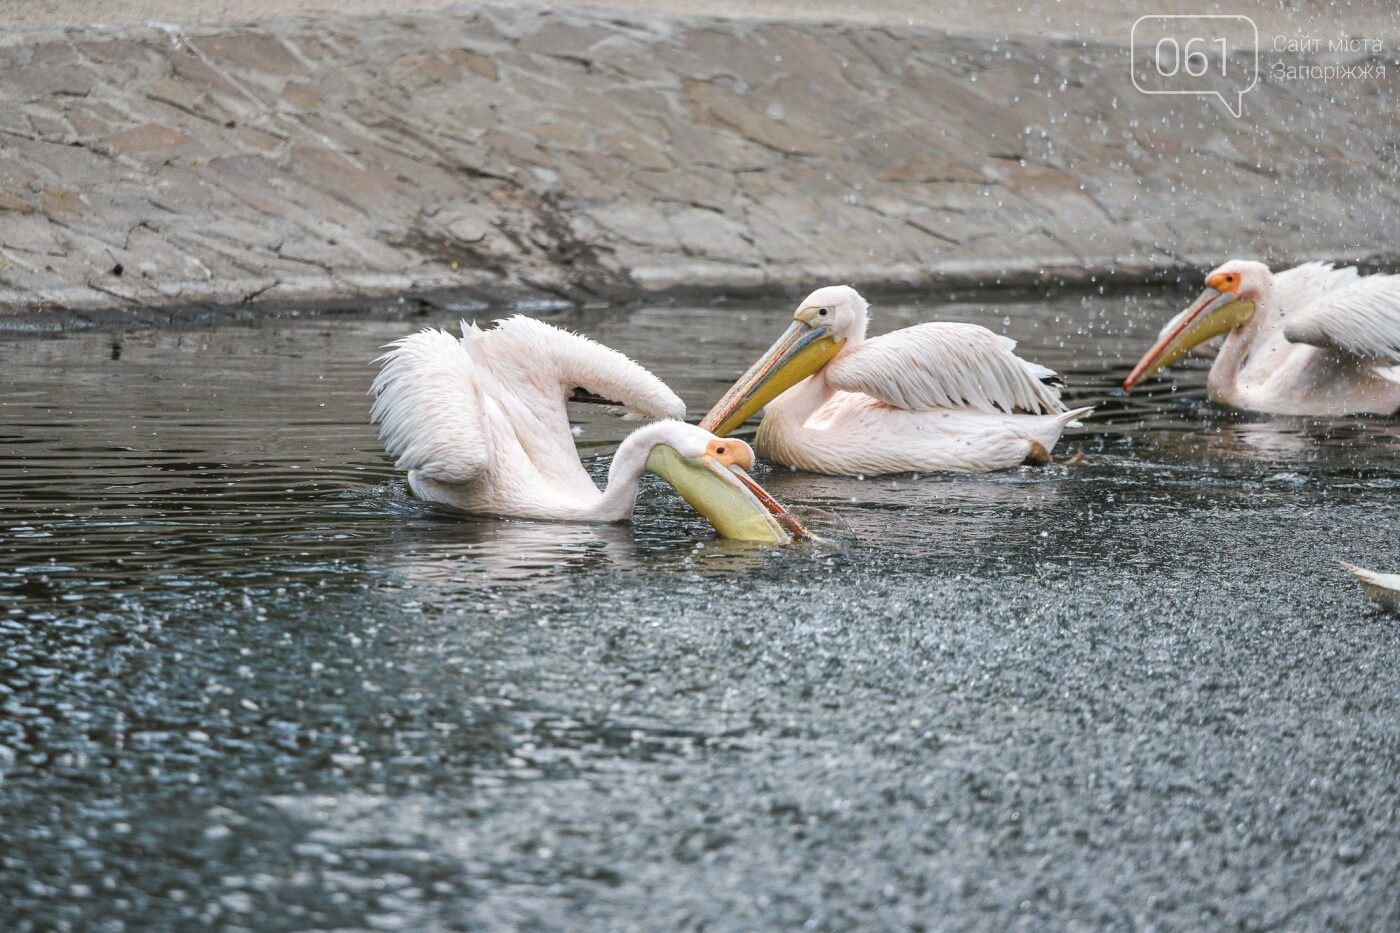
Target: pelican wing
pixel 1361 319
pixel 427 408
pixel 557 362
pixel 947 365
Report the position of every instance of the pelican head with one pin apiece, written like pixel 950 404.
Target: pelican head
pixel 709 473
pixel 822 324
pixel 1228 302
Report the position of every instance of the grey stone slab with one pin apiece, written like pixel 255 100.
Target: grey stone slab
pixel 639 223
pixel 150 142
pixel 254 54
pixel 44 81
pixel 717 106
pixel 709 233
pixel 32 233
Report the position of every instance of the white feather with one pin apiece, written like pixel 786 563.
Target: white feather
pixel 555 361
pixel 946 366
pixel 427 408
pixel 1297 289
pixel 1362 319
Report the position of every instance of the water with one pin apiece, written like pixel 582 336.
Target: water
pixel 248 681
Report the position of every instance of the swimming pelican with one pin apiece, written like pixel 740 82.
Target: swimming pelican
pixel 481 425
pixel 929 397
pixel 1313 340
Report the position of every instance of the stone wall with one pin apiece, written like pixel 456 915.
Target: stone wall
pixel 510 154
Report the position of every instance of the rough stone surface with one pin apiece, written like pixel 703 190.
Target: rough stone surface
pixel 516 153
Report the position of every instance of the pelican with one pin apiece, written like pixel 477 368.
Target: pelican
pixel 481 425
pixel 933 397
pixel 1313 340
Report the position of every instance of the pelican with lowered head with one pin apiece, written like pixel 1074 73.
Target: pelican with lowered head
pixel 1312 340
pixel 481 425
pixel 933 397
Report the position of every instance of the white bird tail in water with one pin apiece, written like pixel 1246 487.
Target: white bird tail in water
pixel 1070 419
pixel 1384 588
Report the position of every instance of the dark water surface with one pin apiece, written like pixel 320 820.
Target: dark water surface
pixel 247 682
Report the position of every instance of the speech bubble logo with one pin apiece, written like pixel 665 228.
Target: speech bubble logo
pixel 1208 55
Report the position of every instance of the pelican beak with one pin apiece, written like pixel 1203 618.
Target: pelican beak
pixel 802 350
pixel 717 487
pixel 1214 313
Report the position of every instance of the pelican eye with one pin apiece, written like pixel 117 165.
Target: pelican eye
pixel 731 453
pixel 822 312
pixel 1224 281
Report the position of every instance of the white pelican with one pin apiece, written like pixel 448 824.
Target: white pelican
pixel 1314 340
pixel 926 398
pixel 1384 588
pixel 482 426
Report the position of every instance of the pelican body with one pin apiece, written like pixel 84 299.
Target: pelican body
pixel 933 397
pixel 1312 340
pixel 481 425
